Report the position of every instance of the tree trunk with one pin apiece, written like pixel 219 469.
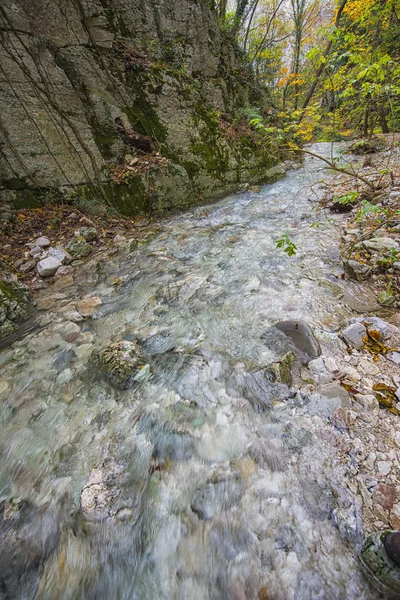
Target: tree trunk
pixel 325 55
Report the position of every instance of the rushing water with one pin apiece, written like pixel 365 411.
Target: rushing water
pixel 206 481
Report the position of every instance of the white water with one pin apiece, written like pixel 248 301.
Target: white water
pixel 230 489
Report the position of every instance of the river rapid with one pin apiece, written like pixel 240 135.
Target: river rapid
pixel 205 480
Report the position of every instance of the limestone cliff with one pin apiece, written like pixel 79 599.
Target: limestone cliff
pixel 128 102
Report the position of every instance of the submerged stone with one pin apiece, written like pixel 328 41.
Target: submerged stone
pixel 302 338
pixel 121 363
pixel 379 567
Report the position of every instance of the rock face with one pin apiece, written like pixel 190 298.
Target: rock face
pixel 121 363
pixel 14 304
pixel 121 83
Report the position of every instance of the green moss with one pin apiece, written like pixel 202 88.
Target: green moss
pixel 144 119
pixel 27 198
pixel 208 144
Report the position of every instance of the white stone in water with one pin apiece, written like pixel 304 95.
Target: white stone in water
pixel 222 445
pixel 64 377
pixel 48 266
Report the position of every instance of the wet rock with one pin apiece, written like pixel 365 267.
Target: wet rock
pixel 381 244
pixel 302 337
pixel 42 242
pixel 121 363
pixel 380 569
pixel 74 316
pixel 101 491
pixel 88 233
pixel 89 306
pixel 213 498
pixel 78 247
pixel 159 343
pixel 48 266
pixel 28 536
pixel 353 335
pixel 357 270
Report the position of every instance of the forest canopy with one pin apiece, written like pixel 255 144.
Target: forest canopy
pixel 333 66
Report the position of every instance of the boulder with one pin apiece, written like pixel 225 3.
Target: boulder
pixel 88 233
pixel 61 254
pixel 378 565
pixel 48 266
pixel 302 338
pixel 121 363
pixel 380 244
pixel 79 248
pixel 357 270
pixel 353 335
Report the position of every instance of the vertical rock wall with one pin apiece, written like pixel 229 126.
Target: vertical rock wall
pixel 122 101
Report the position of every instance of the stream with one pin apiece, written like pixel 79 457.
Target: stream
pixel 205 480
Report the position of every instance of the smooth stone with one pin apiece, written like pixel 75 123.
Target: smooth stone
pixel 89 306
pixel 377 323
pixel 353 335
pixel 35 251
pixel 59 252
pixel 381 243
pixel 42 242
pixel 334 390
pixel 317 366
pixel 322 406
pixel 48 266
pixel 302 338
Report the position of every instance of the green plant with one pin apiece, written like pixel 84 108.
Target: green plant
pixel 347 198
pixel 286 243
pixel 388 261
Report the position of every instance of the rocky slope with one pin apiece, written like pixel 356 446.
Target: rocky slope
pixel 125 102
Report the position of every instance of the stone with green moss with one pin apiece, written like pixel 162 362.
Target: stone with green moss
pixel 14 304
pixel 121 363
pixel 381 571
